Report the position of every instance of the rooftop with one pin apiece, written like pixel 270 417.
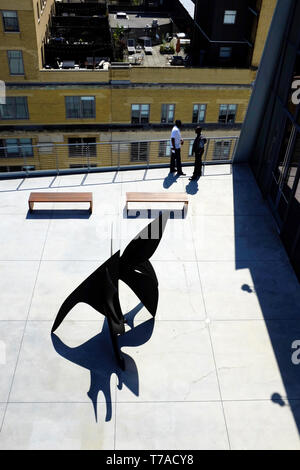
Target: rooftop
pixel 213 372
pixel 138 20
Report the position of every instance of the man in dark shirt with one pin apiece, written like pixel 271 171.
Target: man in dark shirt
pixel 198 150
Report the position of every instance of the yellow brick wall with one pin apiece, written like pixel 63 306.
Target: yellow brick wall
pixel 152 75
pixel 183 100
pixel 47 106
pixel 190 75
pixel 265 18
pixel 28 40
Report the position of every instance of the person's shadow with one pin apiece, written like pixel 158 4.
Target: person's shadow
pixel 169 180
pixel 192 187
pixel 98 357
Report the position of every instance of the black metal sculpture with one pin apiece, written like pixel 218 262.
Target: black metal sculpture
pixel 100 289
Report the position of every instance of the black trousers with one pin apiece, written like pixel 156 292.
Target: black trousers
pixel 175 161
pixel 198 164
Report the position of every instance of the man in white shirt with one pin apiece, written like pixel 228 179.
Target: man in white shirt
pixel 176 143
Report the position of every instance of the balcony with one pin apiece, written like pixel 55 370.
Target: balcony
pixel 220 346
pixel 78 31
pixel 87 155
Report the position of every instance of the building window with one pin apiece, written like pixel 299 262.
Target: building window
pixel 10 21
pixel 199 111
pixel 80 107
pixel 227 113
pixel 139 151
pixel 15 62
pixel 8 169
pixel 225 52
pixel 15 108
pixel 229 16
pixel 140 113
pixel 221 150
pixel 167 113
pixel 164 148
pixel 38 11
pixel 15 148
pixel 82 147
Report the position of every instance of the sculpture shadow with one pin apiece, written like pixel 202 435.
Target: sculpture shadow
pixel 97 356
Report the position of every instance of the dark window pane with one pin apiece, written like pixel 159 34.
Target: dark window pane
pixel 135 114
pixel 26 147
pixel 21 108
pixel 144 113
pixel 10 21
pixel 2 149
pixel 171 109
pixel 164 113
pixel 87 107
pixel 15 108
pixel 139 151
pixel 222 114
pixel 72 107
pixel 15 61
pixel 12 149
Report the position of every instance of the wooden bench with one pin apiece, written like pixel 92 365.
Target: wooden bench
pixel 60 197
pixel 158 197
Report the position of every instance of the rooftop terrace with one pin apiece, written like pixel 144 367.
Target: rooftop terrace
pixel 214 370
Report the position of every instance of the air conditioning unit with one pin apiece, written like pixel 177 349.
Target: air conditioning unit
pixel 121 15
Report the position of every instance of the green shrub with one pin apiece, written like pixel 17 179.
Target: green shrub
pixel 164 49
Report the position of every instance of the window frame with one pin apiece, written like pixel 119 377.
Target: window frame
pixel 230 14
pixel 19 145
pixel 17 22
pixel 86 149
pixel 25 104
pixel 139 151
pixel 227 113
pixel 225 56
pixel 140 113
pixel 80 112
pixel 167 110
pixel 217 151
pixel 198 112
pixel 9 61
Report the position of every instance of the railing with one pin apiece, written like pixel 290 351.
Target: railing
pixel 53 158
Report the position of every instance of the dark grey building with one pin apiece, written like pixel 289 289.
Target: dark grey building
pixel 224 31
pixel 270 138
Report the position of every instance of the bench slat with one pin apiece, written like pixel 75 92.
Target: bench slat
pixel 156 197
pixel 60 197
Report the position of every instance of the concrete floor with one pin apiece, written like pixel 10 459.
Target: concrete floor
pixel 156 59
pixel 213 372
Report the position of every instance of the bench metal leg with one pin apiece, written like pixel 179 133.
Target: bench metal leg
pixel 184 210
